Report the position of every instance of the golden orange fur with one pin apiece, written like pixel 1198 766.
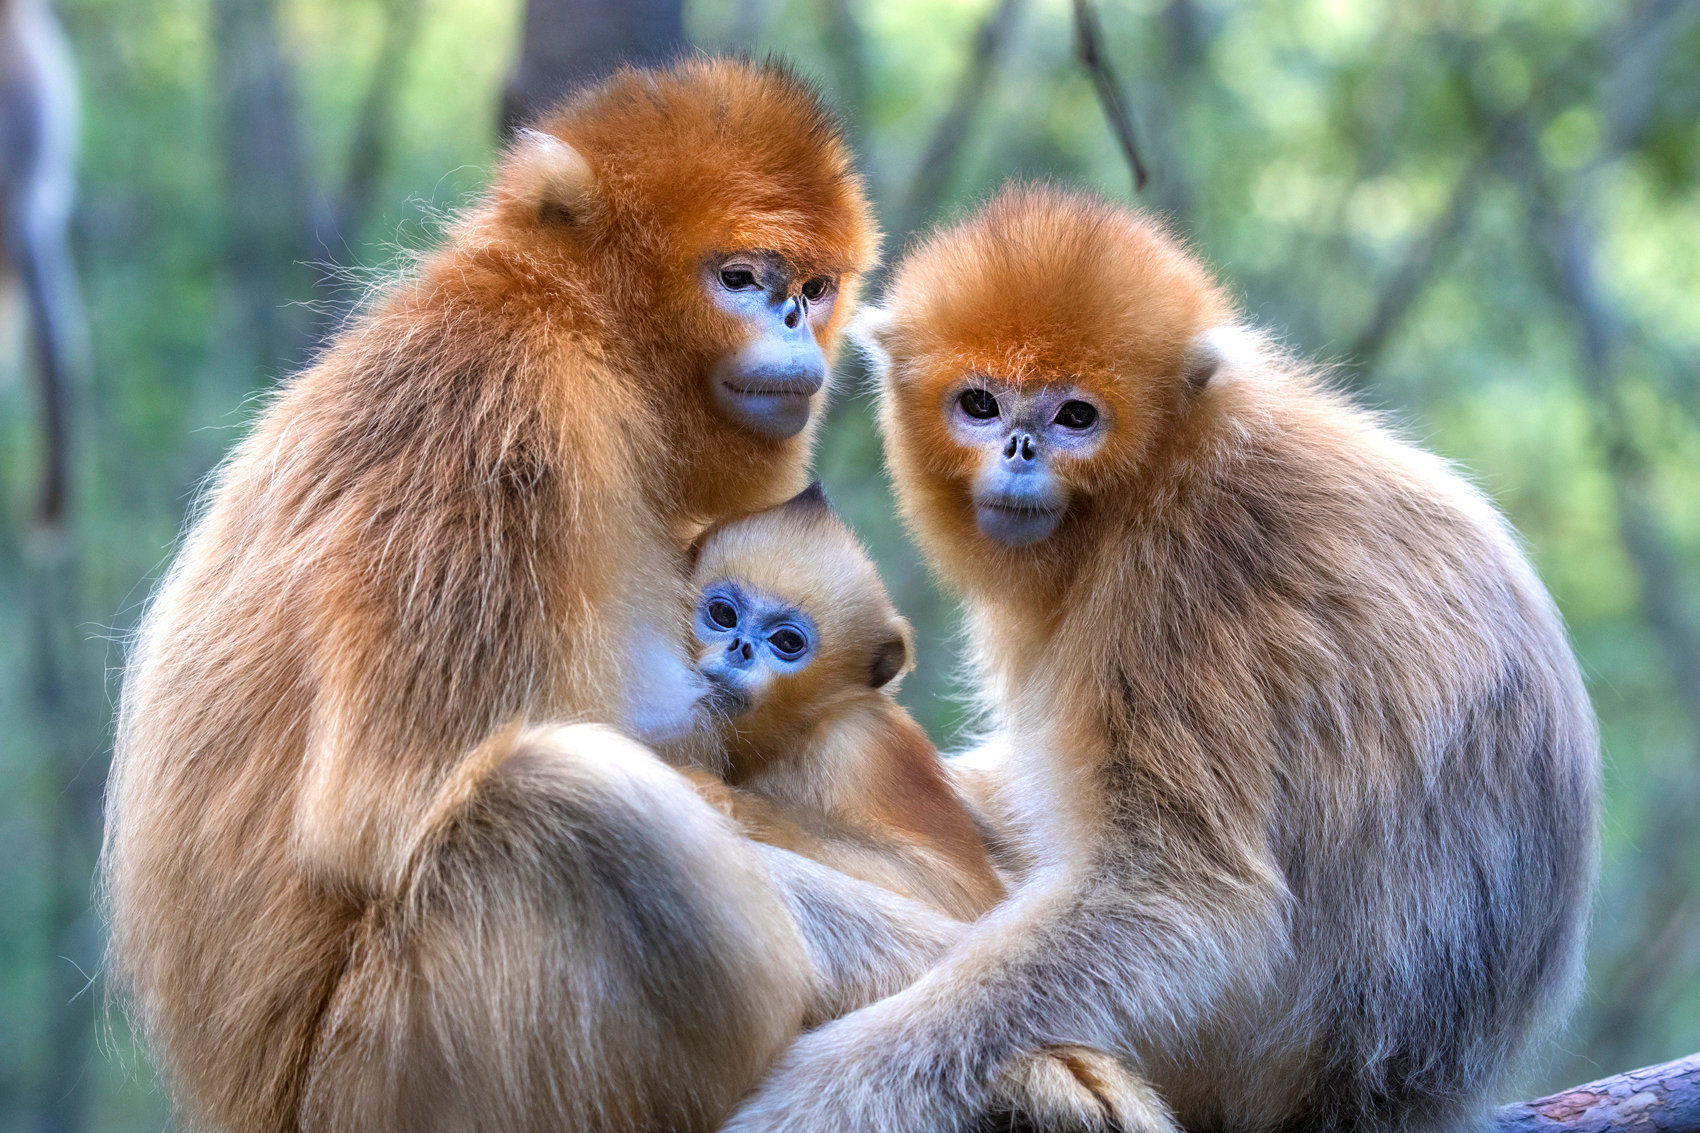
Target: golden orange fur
pixel 828 764
pixel 348 887
pixel 1283 723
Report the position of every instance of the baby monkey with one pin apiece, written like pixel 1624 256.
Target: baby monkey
pixel 802 648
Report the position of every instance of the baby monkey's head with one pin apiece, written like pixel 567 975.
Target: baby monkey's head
pixel 791 620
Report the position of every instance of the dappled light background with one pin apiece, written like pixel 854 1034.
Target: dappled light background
pixel 1485 213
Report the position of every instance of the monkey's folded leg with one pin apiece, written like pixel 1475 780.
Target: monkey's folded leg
pixel 581 943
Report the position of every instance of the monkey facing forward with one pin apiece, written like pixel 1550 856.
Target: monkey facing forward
pixel 1288 728
pixel 802 648
pixel 347 888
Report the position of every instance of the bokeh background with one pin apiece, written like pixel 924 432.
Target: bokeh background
pixel 1485 212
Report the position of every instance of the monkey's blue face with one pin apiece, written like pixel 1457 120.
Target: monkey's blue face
pixel 768 384
pixel 748 639
pixel 1019 496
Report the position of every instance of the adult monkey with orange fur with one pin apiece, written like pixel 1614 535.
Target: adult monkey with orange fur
pixel 1286 724
pixel 344 893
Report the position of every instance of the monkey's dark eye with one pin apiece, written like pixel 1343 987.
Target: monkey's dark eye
pixel 788 641
pixel 737 279
pixel 978 403
pixel 722 613
pixel 816 287
pixel 1076 415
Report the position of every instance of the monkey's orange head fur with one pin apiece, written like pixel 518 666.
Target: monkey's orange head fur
pixel 802 556
pixel 650 171
pixel 1041 290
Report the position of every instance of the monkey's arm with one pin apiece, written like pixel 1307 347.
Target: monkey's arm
pixel 865 942
pixel 1124 963
pixel 867 938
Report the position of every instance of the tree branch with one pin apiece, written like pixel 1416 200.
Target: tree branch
pixel 1422 257
pixel 1657 1099
pixel 938 161
pixel 1636 49
pixel 1088 47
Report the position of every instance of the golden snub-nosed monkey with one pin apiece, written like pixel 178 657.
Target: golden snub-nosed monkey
pixel 352 883
pixel 802 649
pixel 1287 727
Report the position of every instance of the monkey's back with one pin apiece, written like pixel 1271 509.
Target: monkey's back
pixel 1338 644
pixel 328 516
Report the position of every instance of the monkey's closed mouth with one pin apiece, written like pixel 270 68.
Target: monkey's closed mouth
pixel 768 391
pixel 1019 508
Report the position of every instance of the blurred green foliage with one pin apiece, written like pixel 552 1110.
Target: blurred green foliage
pixel 1321 153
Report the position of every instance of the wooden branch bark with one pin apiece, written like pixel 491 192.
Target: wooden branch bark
pixel 1089 48
pixel 1655 1099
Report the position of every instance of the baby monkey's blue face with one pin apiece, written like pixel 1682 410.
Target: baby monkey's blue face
pixel 749 639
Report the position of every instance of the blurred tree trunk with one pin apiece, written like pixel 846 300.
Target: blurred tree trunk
pixel 568 42
pixel 374 125
pixel 268 206
pixel 69 719
pixel 60 718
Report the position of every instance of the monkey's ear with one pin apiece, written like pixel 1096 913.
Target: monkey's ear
pixel 894 656
pixel 693 552
pixel 1203 358
pixel 811 498
pixel 1226 346
pixel 548 180
pixel 869 330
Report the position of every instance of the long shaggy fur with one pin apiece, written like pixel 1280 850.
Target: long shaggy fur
pixel 1285 722
pixel 343 892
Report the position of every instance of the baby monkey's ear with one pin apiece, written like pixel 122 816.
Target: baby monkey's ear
pixel 693 553
pixel 812 498
pixel 545 181
pixel 894 656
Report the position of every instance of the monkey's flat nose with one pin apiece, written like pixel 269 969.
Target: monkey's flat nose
pixel 1019 447
pixel 793 312
pixel 739 650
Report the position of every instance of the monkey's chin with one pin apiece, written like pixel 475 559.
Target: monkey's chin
pixel 1015 526
pixel 774 414
pixel 726 702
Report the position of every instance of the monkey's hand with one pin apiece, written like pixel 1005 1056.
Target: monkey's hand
pixel 1073 1088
